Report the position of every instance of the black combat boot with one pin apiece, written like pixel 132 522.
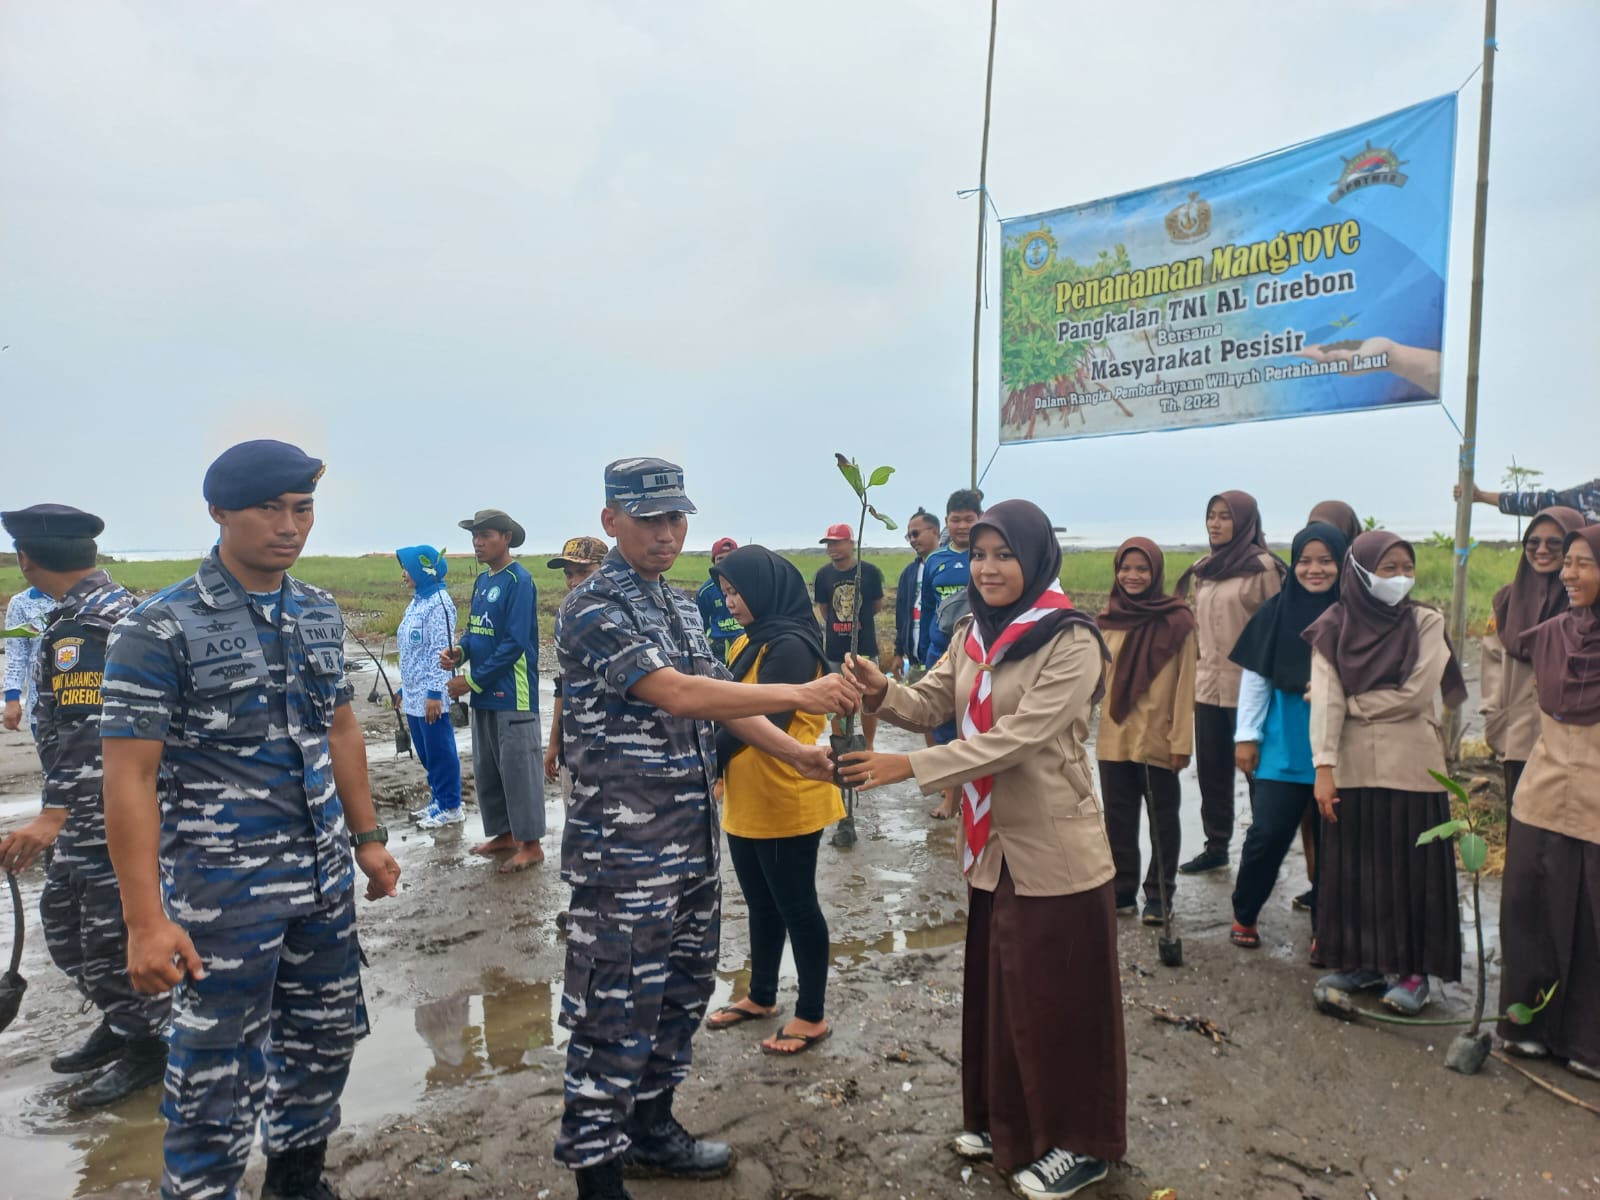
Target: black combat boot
pixel 143 1064
pixel 104 1044
pixel 602 1182
pixel 297 1175
pixel 661 1146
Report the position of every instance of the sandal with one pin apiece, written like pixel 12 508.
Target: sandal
pixel 806 1041
pixel 736 1016
pixel 1245 936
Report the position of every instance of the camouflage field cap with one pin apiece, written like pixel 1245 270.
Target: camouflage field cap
pixel 580 552
pixel 647 487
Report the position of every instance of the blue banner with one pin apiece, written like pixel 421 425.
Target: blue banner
pixel 1310 280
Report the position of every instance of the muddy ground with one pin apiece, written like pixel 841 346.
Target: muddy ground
pixel 457 1091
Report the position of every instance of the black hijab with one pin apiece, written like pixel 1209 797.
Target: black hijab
pixel 775 593
pixel 1271 644
pixel 1027 531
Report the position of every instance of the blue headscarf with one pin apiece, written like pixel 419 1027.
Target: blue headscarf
pixel 426 566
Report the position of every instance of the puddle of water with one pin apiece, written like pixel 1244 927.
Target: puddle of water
pixel 732 985
pixel 504 1026
pixel 18 806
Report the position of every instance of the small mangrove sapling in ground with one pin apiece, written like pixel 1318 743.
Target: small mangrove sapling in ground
pixel 1470 1048
pixel 850 740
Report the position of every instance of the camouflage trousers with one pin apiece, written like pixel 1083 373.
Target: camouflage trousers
pixel 272 1026
pixel 641 964
pixel 81 911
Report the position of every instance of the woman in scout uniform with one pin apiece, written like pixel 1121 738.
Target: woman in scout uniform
pixel 1046 1098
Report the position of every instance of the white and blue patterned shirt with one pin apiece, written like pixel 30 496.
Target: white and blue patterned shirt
pixel 427 628
pixel 31 608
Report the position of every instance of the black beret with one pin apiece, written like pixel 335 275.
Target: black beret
pixel 254 472
pixel 51 521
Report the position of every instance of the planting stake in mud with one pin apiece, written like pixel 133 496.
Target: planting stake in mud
pixel 12 984
pixel 1170 948
pixel 402 735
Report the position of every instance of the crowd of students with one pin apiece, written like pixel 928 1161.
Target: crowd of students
pixel 1320 679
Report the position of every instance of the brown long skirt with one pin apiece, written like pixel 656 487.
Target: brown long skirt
pixel 1043 1064
pixel 1385 903
pixel 1550 933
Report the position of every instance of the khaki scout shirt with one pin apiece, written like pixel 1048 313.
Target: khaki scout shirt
pixel 1045 820
pixel 1222 608
pixel 1388 737
pixel 1560 787
pixel 1162 721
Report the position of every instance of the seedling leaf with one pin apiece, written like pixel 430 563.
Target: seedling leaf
pixel 1473 851
pixel 888 522
pixel 1448 830
pixel 1519 1014
pixel 851 473
pixel 1450 785
pixel 880 477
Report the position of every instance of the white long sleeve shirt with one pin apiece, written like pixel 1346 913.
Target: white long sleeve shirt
pixel 27 609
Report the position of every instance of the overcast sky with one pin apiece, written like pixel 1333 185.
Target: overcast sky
pixel 470 253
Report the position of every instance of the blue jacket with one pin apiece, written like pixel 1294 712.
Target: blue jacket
pixel 944 574
pixel 721 629
pixel 907 601
pixel 501 644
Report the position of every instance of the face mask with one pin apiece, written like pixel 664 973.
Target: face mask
pixel 1389 590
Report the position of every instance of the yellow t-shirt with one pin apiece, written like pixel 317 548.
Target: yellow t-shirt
pixel 766 798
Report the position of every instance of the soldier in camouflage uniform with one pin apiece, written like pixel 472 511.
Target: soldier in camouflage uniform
pixel 642 687
pixel 80 907
pixel 229 739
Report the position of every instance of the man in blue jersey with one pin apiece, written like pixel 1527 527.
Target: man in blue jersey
pixel 944 581
pixel 500 654
pixel 721 628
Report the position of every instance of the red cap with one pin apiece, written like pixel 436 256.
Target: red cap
pixel 723 546
pixel 838 533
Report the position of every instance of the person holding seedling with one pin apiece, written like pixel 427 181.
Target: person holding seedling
pixel 944 578
pixel 1226 587
pixel 1146 732
pixel 1386 907
pixel 1550 903
pixel 1043 1066
pixel 641 845
pixel 773 814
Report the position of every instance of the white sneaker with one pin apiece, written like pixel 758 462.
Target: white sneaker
pixel 418 813
pixel 438 818
pixel 974 1145
pixel 1058 1174
pixel 1583 1070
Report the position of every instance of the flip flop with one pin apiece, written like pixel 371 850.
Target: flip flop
pixel 739 1016
pixel 806 1042
pixel 1245 936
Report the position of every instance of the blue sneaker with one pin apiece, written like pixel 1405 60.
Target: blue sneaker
pixel 438 818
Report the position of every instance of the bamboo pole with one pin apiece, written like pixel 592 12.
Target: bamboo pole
pixel 983 203
pixel 1469 431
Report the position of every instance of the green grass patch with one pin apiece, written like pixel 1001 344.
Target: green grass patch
pixel 374 597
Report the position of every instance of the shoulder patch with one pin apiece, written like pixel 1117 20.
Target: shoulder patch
pixel 68 653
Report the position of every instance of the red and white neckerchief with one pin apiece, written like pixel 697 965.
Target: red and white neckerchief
pixel 979 715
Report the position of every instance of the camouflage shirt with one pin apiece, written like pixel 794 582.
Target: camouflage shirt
pixel 66 679
pixel 641 810
pixel 242 692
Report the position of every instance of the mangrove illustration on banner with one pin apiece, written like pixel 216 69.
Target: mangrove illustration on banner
pixel 1310 280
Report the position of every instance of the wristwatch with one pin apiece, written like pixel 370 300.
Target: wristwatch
pixel 378 833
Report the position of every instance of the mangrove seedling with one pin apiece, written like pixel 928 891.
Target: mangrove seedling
pixel 850 740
